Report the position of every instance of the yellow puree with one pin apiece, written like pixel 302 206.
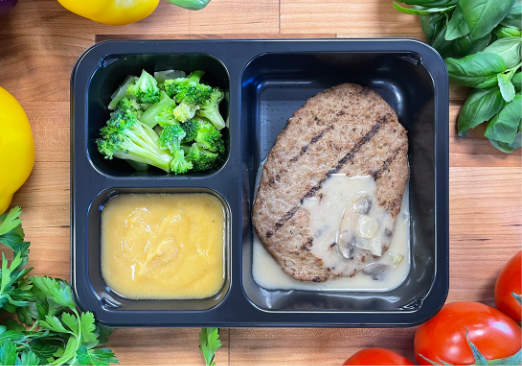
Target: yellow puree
pixel 163 245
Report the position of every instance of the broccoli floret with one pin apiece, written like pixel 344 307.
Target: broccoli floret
pixel 201 159
pixel 145 89
pixel 171 136
pixel 185 111
pixel 209 138
pixel 191 128
pixel 121 92
pixel 127 138
pixel 180 164
pixel 130 104
pixel 170 139
pixel 188 89
pixel 161 112
pixel 210 109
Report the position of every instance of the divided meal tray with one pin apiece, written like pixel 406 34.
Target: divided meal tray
pixel 267 81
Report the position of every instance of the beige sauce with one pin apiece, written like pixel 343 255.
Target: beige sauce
pixel 341 215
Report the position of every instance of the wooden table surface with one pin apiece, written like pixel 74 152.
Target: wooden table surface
pixel 39 43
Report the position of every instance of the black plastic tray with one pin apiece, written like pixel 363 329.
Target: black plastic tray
pixel 267 80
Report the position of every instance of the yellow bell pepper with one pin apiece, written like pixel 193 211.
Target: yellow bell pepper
pixel 112 12
pixel 16 148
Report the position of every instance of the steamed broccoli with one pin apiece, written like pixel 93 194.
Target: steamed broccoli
pixel 170 139
pixel 201 159
pixel 190 127
pixel 121 92
pixel 125 137
pixel 204 133
pixel 171 136
pixel 144 89
pixel 170 121
pixel 210 109
pixel 161 112
pixel 130 104
pixel 188 89
pixel 180 164
pixel 185 111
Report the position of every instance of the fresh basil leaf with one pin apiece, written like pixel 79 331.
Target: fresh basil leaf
pixel 478 70
pixel 504 126
pixel 515 15
pixel 432 24
pixel 421 10
pixel 430 3
pixel 517 81
pixel 507 48
pixel 480 107
pixel 465 46
pixel 507 31
pixel 506 87
pixel 508 148
pixel 482 16
pixel 457 26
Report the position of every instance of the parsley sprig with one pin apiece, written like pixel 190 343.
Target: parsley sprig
pixel 39 321
pixel 209 343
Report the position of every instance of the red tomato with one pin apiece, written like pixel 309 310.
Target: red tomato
pixel 443 337
pixel 509 282
pixel 377 356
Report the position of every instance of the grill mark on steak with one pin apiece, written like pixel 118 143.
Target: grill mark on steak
pixel 313 140
pixel 346 158
pixel 385 164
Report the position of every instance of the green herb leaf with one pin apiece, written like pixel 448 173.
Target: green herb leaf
pixel 507 48
pixel 515 15
pixel 10 220
pixel 71 321
pixel 478 70
pixel 506 87
pixel 480 107
pixel 28 358
pixel 54 324
pixel 422 11
pixel 504 126
pixel 56 290
pixel 8 353
pixel 430 3
pixel 47 328
pixel 432 24
pixel 96 357
pixel 507 31
pixel 457 26
pixel 482 16
pixel 465 45
pixel 88 328
pixel 517 81
pixel 209 343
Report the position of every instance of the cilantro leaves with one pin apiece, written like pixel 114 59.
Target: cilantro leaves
pixel 43 326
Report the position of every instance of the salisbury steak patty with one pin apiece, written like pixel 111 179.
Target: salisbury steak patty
pixel 347 129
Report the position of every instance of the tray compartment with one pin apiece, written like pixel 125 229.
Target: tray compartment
pixel 113 70
pixel 114 301
pixel 275 85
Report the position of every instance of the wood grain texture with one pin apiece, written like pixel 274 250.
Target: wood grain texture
pixel 39 45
